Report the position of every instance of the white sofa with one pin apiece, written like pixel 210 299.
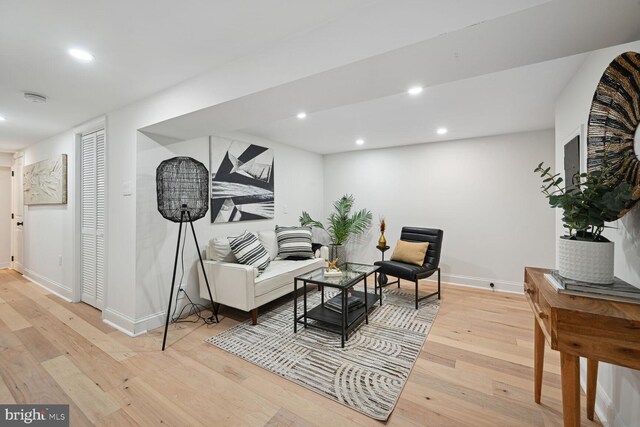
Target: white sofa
pixel 239 286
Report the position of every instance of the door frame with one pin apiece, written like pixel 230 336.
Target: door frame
pixel 19 156
pixel 92 126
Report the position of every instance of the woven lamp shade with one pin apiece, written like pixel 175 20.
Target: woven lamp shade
pixel 182 181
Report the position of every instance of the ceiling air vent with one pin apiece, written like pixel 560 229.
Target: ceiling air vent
pixel 34 97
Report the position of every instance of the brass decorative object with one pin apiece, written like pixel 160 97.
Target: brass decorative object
pixel 333 265
pixel 382 241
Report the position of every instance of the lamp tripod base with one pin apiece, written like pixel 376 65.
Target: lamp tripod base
pixel 214 316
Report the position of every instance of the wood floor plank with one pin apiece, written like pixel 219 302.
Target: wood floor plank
pixel 107 344
pixel 87 313
pixel 475 381
pixel 94 402
pixel 461 411
pixel 8 338
pixel 37 344
pixel 95 363
pixel 418 414
pixel 30 383
pixel 12 318
pixel 492 352
pixel 285 418
pixel 147 407
pixel 517 412
pixel 192 376
pixel 551 382
pixel 118 418
pixel 5 394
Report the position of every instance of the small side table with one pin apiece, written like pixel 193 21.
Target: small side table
pixel 382 278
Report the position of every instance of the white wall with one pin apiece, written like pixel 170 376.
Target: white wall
pixel 6 160
pixel 618 388
pixel 298 186
pixel 482 192
pixel 5 216
pixel 49 229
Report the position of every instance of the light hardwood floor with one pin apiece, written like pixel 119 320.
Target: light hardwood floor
pixel 475 369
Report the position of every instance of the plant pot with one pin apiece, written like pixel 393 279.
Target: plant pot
pixel 586 261
pixel 337 251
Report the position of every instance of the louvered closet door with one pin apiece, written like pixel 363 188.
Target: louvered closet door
pixel 92 258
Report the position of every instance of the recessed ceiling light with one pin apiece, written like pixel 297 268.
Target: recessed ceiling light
pixel 301 115
pixel 35 97
pixel 359 141
pixel 415 90
pixel 82 55
pixel 2 119
pixel 442 131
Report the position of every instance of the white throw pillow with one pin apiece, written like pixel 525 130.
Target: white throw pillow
pixel 269 241
pixel 219 250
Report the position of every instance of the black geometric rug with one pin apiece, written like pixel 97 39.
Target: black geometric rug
pixel 367 375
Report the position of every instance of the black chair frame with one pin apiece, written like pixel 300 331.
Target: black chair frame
pixel 429 267
pixel 420 277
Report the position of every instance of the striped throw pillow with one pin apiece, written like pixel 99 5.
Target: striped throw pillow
pixel 294 242
pixel 249 251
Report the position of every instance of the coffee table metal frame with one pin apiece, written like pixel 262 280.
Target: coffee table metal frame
pixel 327 319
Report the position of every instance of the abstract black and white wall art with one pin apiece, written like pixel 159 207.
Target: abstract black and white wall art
pixel 242 178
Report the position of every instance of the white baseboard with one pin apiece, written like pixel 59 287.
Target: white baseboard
pixel 134 327
pixel 119 321
pixel 4 265
pixel 150 322
pixel 479 282
pixel 130 326
pixel 50 285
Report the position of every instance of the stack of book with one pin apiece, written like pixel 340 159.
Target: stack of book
pixel 335 303
pixel 619 290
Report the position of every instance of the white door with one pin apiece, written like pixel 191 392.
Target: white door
pixel 92 217
pixel 17 221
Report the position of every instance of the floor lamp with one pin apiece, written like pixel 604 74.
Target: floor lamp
pixel 182 186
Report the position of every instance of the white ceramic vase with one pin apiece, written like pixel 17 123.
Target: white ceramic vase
pixel 586 261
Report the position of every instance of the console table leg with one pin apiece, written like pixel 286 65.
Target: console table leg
pixel 592 381
pixel 538 359
pixel 570 372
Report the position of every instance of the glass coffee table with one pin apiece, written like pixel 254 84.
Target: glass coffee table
pixel 332 315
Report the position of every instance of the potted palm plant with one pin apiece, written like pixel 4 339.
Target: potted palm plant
pixel 342 225
pixel 595 198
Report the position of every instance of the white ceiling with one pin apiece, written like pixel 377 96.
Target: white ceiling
pixel 144 46
pixel 480 61
pixel 499 76
pixel 516 100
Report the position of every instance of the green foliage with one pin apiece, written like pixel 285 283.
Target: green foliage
pixel 597 197
pixel 341 224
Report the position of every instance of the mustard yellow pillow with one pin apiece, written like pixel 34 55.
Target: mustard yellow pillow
pixel 410 252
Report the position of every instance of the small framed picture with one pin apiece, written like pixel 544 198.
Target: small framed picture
pixel 573 157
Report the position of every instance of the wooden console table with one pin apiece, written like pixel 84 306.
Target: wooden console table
pixel 597 329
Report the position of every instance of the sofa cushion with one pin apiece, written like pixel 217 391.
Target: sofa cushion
pixel 400 269
pixel 281 272
pixel 250 251
pixel 294 242
pixel 269 241
pixel 219 250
